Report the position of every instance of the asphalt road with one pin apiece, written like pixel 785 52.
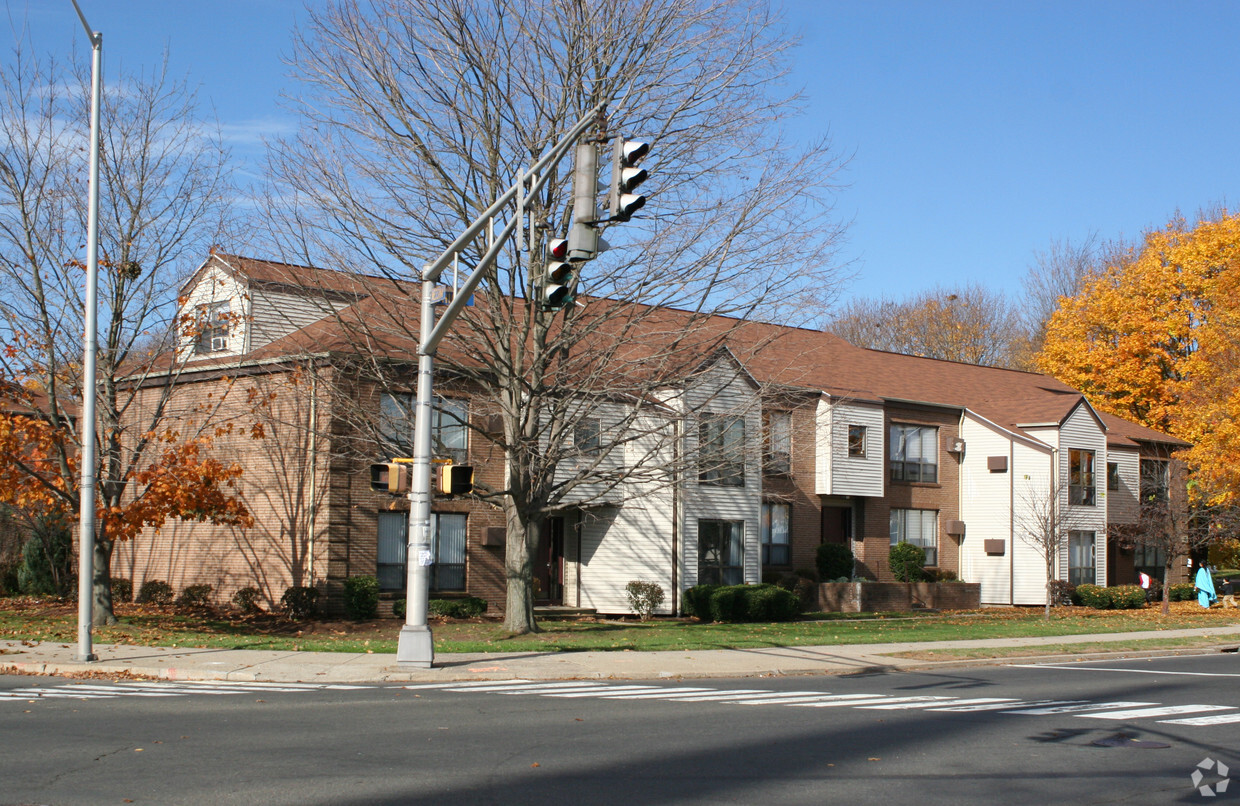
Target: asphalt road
pixel 1102 732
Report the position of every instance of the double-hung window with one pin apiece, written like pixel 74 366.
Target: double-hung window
pixel 1081 486
pixel 1082 567
pixel 777 443
pixel 914 453
pixel 856 441
pixel 212 326
pixel 775 549
pixel 721 552
pixel 721 450
pixel 919 527
pixel 448 535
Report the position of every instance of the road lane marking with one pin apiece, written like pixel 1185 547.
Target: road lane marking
pixel 1216 719
pixel 1166 710
pixel 1073 709
pixel 1082 668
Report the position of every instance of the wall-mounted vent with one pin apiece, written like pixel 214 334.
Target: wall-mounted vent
pixel 955 445
pixel 494 536
pixel 955 528
pixel 996 464
pixel 994 546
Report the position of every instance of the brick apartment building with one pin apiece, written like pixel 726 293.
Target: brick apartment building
pixel 835 444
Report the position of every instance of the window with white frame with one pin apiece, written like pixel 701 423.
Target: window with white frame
pixel 1082 565
pixel 449 426
pixel 777 442
pixel 775 534
pixel 721 450
pixel 213 319
pixel 919 527
pixel 448 530
pixel 1081 484
pixel 721 552
pixel 914 453
pixel 856 440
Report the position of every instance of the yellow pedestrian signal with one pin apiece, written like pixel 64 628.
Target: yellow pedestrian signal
pixel 456 479
pixel 389 477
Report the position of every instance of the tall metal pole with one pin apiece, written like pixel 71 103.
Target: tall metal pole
pixel 86 491
pixel 415 646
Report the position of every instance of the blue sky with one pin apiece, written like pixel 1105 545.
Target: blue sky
pixel 980 131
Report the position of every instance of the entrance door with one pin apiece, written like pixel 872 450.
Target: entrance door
pixel 549 563
pixel 836 525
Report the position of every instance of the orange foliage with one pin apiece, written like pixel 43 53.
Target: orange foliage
pixel 1155 339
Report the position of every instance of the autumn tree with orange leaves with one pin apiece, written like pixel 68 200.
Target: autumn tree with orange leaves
pixel 1154 337
pixel 163 195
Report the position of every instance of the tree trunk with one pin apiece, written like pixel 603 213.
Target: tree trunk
pixel 101 614
pixel 522 542
pixel 1166 591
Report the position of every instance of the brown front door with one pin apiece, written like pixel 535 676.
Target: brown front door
pixel 836 524
pixel 549 563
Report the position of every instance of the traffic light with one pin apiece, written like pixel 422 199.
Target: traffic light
pixel 456 479
pixel 583 240
pixel 557 290
pixel 626 176
pixel 389 477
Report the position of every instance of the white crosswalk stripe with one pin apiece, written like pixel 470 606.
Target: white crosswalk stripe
pixel 1112 710
pixel 155 688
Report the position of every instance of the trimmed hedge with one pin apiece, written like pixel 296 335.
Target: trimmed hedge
pixel 834 561
pixel 361 597
pixel 300 601
pixel 741 603
pixel 1182 592
pixel 196 596
pixel 907 562
pixel 247 600
pixel 156 592
pixel 1119 597
pixel 469 607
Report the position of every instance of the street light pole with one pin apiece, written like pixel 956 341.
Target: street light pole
pixel 86 489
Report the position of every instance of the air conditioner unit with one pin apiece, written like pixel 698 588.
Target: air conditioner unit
pixel 219 343
pixel 955 445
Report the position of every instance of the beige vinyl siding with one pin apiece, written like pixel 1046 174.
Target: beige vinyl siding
pixel 219 286
pixel 837 473
pixel 986 509
pixel 274 314
pixel 1123 505
pixel 623 544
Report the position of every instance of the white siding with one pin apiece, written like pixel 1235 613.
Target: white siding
pixel 723 391
pixel 986 509
pixel 1033 486
pixel 622 544
pixel 1123 505
pixel 837 473
pixel 1082 431
pixel 612 417
pixel 219 286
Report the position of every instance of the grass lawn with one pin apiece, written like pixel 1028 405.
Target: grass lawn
pixel 52 620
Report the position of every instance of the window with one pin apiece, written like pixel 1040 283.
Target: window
pixel 586 436
pixel 856 440
pixel 1081 565
pixel 212 321
pixel 777 443
pixel 919 527
pixel 1151 560
pixel 1112 477
pixel 448 572
pixel 1081 477
pixel 721 552
pixel 1155 480
pixel 914 453
pixel 775 550
pixel 721 450
pixel 449 427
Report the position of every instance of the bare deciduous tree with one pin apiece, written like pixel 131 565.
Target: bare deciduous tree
pixel 1046 524
pixel 164 187
pixel 970 324
pixel 419 113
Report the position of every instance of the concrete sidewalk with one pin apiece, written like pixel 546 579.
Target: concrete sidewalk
pixel 339 667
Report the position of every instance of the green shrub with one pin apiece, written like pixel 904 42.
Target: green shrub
pixel 644 597
pixel 156 592
pixel 1092 596
pixel 770 603
pixel 46 567
pixel 8 580
pixel 195 596
pixel 1183 592
pixel 300 601
pixel 727 604
pixel 122 589
pixel 247 600
pixel 697 601
pixel 398 608
pixel 802 585
pixel 906 562
pixel 361 597
pixel 468 607
pixel 834 560
pixel 1126 597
